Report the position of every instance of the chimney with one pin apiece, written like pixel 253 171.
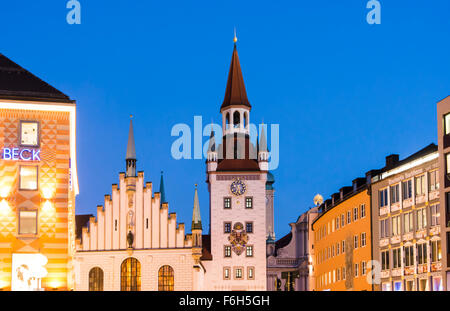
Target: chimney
pixel 391 160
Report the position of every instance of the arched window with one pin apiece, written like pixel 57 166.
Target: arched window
pixel 130 275
pixel 165 279
pixel 245 119
pixel 96 280
pixel 236 119
pixel 227 120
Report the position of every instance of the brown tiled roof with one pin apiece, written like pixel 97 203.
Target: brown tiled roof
pixel 20 84
pixel 80 222
pixel 206 248
pixel 235 93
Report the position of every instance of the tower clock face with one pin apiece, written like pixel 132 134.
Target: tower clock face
pixel 238 187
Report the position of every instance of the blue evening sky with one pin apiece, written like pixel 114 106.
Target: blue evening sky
pixel 345 93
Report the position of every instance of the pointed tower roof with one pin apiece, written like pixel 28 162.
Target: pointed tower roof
pixel 161 189
pixel 212 142
pixel 196 218
pixel 263 140
pixel 235 93
pixel 131 149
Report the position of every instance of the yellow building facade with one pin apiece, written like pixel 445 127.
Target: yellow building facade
pixel 38 183
pixel 342 241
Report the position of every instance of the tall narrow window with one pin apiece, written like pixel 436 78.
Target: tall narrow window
pixel 396 229
pixel 236 119
pixel 409 256
pixel 227 227
pixel 383 196
pixel 397 258
pixel 421 218
pixel 395 193
pixel 363 210
pixel 226 203
pixel 434 180
pixel 28 178
pixel 248 202
pixel 384 228
pixel 435 215
pixel 385 260
pixel 436 251
pixel 166 279
pixel 96 279
pixel 408 221
pixel 407 189
pixel 130 275
pixel 249 251
pixel 249 227
pixel 422 253
pixel 420 185
pixel 355 214
pixel 447 124
pixel 227 251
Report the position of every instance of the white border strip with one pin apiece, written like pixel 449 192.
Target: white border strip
pixel 410 165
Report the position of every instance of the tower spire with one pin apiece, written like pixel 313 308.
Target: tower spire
pixel 196 218
pixel 235 93
pixel 161 189
pixel 130 158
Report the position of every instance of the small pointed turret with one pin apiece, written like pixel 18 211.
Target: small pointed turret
pixel 130 158
pixel 263 153
pixel 196 218
pixel 162 190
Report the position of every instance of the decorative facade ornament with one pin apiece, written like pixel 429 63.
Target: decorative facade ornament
pixel 238 238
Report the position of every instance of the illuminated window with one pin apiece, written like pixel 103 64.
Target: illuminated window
pixel 436 251
pixel 238 273
pixel 396 229
pixel 251 273
pixel 227 203
pixel 408 222
pixel 130 276
pixel 27 222
pixel 447 124
pixel 396 258
pixel 96 280
pixel 227 251
pixel 420 185
pixel 249 202
pixel 434 180
pixel 435 215
pixel 226 273
pixel 249 251
pixel 165 279
pixel 29 133
pixel 409 256
pixel 421 218
pixel 422 253
pixel 28 178
pixel 385 260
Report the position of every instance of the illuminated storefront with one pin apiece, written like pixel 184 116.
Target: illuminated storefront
pixel 38 183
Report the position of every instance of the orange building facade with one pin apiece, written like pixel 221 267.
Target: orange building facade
pixel 342 240
pixel 38 183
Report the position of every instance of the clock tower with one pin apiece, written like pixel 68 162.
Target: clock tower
pixel 236 176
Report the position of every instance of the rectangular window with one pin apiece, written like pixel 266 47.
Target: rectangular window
pixel 337 222
pixel 395 193
pixel 422 253
pixel 421 218
pixel 342 220
pixel 420 185
pixel 226 273
pixel 227 251
pixel 434 180
pixel 436 251
pixel 409 256
pixel 338 248
pixel 363 239
pixel 408 221
pixel 355 240
pixel 385 260
pixel 363 210
pixel 226 203
pixel 115 225
pixel 447 162
pixel 356 269
pixel 363 268
pixel 447 124
pixel 227 227
pixel 355 214
pixel 27 222
pixel 407 189
pixel 344 275
pixel 396 229
pixel 29 133
pixel 397 258
pixel 338 274
pixel 28 179
pixel 349 217
pixel 384 228
pixel 383 194
pixel 251 273
pixel 343 246
pixel 249 251
pixel 435 215
pixel 249 227
pixel 146 223
pixel 248 202
pixel 238 273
